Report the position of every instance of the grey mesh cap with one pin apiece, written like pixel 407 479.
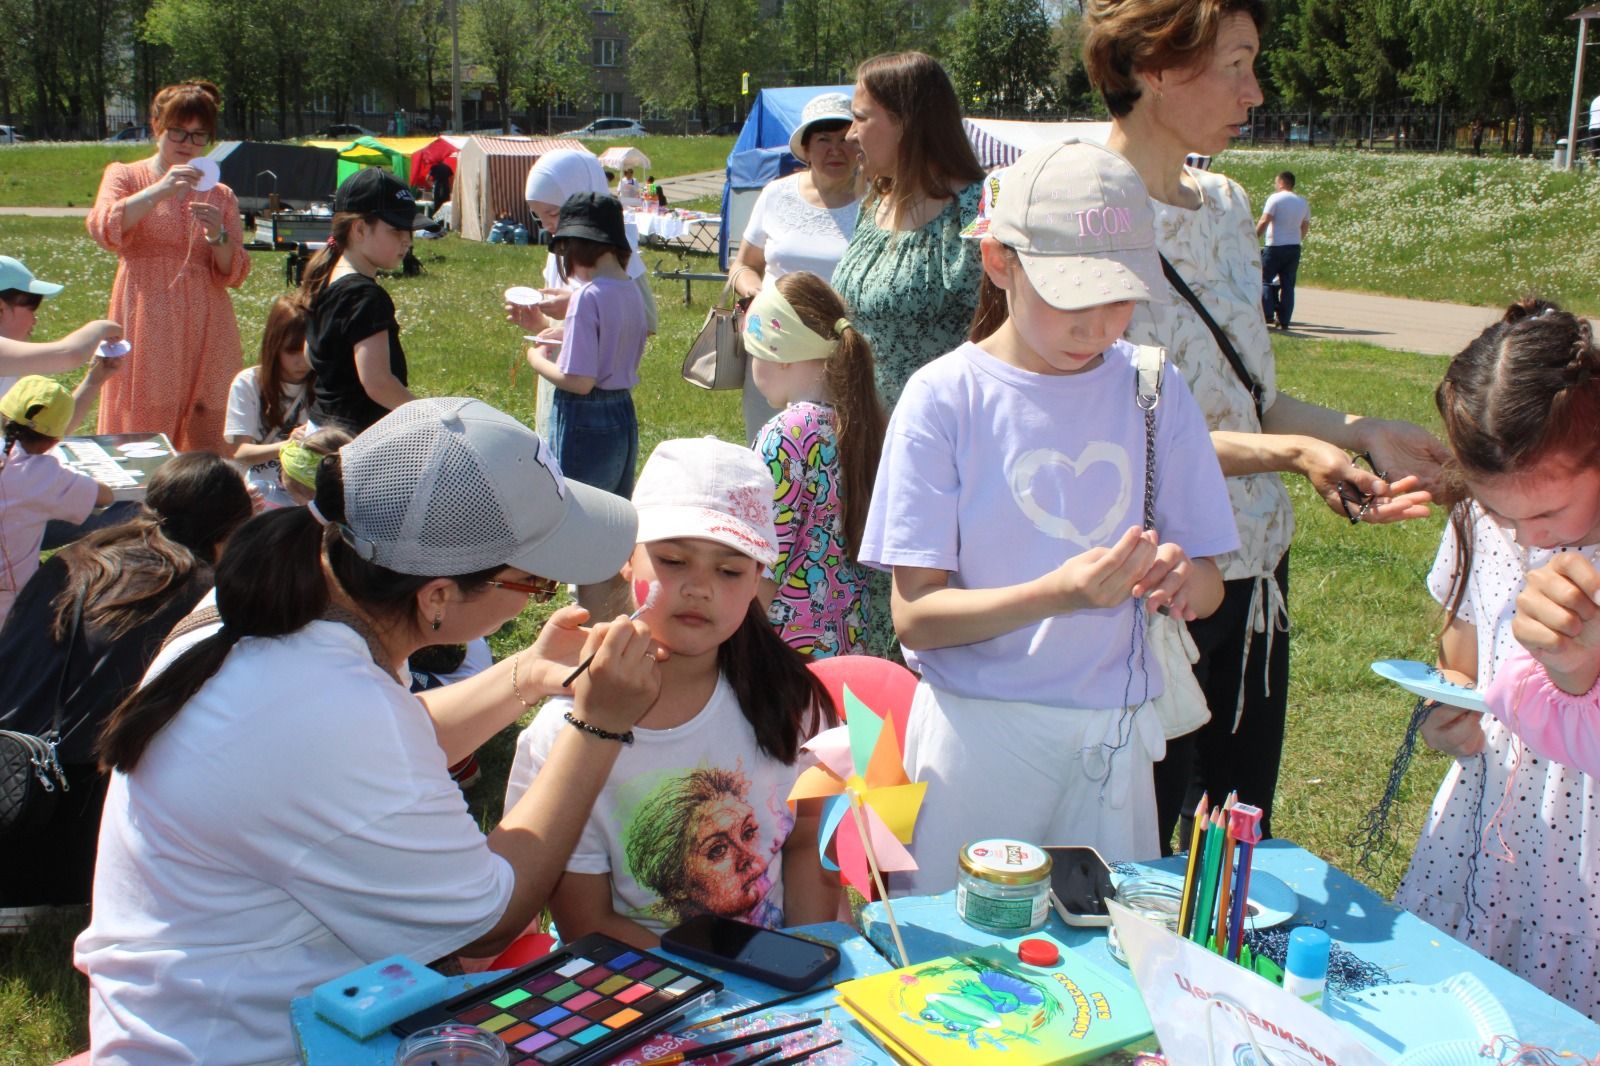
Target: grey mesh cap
pixel 451 486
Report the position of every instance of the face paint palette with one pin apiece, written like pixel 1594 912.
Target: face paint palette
pixel 577 1006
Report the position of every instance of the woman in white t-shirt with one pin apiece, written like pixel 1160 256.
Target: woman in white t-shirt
pixel 803 221
pixel 280 812
pixel 267 402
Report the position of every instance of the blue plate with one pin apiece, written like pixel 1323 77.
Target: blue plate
pixel 1420 679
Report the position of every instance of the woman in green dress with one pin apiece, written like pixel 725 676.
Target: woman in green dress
pixel 909 277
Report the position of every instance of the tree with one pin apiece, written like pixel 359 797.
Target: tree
pixel 1002 56
pixel 534 47
pixel 691 53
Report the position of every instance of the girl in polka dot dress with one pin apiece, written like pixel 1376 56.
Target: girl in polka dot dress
pixel 1505 859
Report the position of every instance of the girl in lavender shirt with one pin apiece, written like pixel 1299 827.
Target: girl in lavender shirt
pixel 593 429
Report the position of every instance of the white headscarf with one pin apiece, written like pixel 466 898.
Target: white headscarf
pixel 567 171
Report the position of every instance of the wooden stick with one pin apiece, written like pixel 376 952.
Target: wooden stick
pixel 877 877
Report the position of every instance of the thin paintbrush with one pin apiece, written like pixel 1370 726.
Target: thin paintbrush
pixel 742 1011
pixel 707 1050
pixel 801 1056
pixel 651 591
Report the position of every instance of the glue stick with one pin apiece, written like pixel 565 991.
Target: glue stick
pixel 1305 970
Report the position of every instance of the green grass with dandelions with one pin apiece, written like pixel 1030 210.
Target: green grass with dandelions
pixel 1357 593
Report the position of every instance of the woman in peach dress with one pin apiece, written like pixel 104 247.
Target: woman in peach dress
pixel 178 252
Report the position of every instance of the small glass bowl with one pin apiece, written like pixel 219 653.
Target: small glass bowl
pixel 452 1044
pixel 1159 900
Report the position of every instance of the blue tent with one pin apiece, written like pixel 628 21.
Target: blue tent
pixel 762 152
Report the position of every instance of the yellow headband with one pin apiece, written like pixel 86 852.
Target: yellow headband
pixel 774 332
pixel 300 463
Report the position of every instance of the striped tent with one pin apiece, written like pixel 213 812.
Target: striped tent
pixel 998 142
pixel 491 176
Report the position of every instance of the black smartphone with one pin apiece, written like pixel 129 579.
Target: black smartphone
pixel 1080 884
pixel 765 954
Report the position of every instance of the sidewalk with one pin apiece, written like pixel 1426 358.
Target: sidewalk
pixel 45 212
pixel 1387 321
pixel 692 186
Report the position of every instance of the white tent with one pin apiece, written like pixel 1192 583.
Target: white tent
pixel 999 141
pixel 622 157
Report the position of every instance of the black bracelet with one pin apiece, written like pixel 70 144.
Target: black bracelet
pixel 596 731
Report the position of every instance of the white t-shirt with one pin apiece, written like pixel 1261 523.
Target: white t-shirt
pixel 33 490
pixel 295 821
pixel 999 475
pixel 244 420
pixel 692 819
pixel 795 235
pixel 1287 212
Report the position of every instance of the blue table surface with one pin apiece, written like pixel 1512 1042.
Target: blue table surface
pixel 1355 916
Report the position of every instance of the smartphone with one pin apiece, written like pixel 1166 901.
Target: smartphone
pixel 1080 884
pixel 765 954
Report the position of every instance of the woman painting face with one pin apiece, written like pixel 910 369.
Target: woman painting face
pixel 725 864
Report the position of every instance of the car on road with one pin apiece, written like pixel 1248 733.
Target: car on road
pixel 129 135
pixel 340 130
pixel 10 135
pixel 609 127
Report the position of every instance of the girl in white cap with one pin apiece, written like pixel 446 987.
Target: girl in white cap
pixel 1010 504
pixel 693 819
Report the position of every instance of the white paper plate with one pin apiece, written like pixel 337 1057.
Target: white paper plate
pixel 113 349
pixel 524 296
pixel 209 173
pixel 1420 679
pixel 1442 1024
pixel 1271 902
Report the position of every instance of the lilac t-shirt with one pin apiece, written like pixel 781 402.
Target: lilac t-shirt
pixel 605 333
pixel 1000 475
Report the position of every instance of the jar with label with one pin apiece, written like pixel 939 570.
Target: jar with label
pixel 1003 886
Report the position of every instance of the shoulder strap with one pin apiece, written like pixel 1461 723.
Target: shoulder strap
pixel 1149 363
pixel 1232 355
pixel 205 616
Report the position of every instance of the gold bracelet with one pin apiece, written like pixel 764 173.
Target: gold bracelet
pixel 516 688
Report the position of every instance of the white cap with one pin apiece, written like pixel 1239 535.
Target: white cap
pixel 451 486
pixel 708 489
pixel 1079 218
pixel 829 107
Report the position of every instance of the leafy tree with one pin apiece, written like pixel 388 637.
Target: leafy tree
pixel 691 53
pixel 1002 56
pixel 536 48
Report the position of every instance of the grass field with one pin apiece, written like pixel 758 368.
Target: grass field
pixel 1357 593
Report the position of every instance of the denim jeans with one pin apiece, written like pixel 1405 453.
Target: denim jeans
pixel 596 438
pixel 1279 265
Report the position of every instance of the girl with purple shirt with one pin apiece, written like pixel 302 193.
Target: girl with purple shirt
pixel 593 429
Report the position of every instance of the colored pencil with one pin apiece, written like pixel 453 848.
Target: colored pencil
pixel 1206 891
pixel 705 1051
pixel 1225 881
pixel 804 1054
pixel 742 1011
pixel 1246 824
pixel 1184 912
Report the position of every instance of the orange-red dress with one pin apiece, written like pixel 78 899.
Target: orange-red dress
pixel 174 305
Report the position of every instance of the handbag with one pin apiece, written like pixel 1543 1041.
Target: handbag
pixel 1181 707
pixel 716 358
pixel 31 777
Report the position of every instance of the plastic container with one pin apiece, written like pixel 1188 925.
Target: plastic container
pixel 1156 899
pixel 1003 886
pixel 1305 970
pixel 452 1045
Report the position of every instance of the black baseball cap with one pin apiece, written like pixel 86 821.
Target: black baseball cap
pixel 375 191
pixel 593 216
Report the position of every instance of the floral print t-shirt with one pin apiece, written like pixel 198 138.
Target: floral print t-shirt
pixel 822 602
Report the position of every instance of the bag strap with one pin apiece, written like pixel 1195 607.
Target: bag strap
pixel 205 616
pixel 66 669
pixel 1217 334
pixel 1150 363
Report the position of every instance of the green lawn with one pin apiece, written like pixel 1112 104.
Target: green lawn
pixel 1357 592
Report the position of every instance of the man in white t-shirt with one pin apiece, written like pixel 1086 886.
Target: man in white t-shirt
pixel 1285 219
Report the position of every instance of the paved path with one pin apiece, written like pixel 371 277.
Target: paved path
pixel 1387 321
pixel 46 212
pixel 693 186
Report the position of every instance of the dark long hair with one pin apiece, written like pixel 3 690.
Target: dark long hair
pixel 124 572
pixel 320 269
pixel 935 156
pixel 852 390
pixel 1524 390
pixel 783 701
pixel 269 584
pixel 285 331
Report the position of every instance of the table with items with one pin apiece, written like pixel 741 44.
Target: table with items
pixel 1411 994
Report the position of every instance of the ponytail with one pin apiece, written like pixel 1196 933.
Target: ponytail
pixel 317 272
pixel 780 697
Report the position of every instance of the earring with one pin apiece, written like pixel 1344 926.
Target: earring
pixel 438 620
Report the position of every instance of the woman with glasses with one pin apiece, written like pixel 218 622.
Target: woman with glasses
pixel 178 253
pixel 279 811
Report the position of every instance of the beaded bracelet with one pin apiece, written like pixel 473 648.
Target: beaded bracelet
pixel 596 731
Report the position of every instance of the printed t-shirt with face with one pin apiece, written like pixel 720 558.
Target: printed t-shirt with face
pixel 691 821
pixel 999 475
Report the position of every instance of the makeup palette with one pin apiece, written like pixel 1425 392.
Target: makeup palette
pixel 577 1006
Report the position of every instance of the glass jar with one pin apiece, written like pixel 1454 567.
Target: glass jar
pixel 452 1044
pixel 1156 899
pixel 1003 886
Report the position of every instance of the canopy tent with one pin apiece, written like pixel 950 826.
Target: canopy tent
pixel 761 153
pixel 371 152
pixel 440 149
pixel 254 170
pixel 492 178
pixel 998 141
pixel 622 157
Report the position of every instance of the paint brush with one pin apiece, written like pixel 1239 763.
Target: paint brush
pixel 1184 913
pixel 645 596
pixel 753 1008
pixel 705 1051
pixel 751 1060
pixel 801 1056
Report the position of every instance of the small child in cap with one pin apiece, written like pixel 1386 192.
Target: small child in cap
pixel 34 488
pixel 693 818
pixel 1010 505
pixel 20 296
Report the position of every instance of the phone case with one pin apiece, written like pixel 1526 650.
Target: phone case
pixel 793 981
pixel 1076 918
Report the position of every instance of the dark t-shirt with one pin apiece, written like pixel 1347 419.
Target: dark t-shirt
pixel 350 309
pixel 442 176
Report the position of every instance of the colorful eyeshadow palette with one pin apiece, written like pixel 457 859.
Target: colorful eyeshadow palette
pixel 577 1006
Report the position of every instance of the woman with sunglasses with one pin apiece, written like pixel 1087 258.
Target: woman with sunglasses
pixel 280 812
pixel 178 253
